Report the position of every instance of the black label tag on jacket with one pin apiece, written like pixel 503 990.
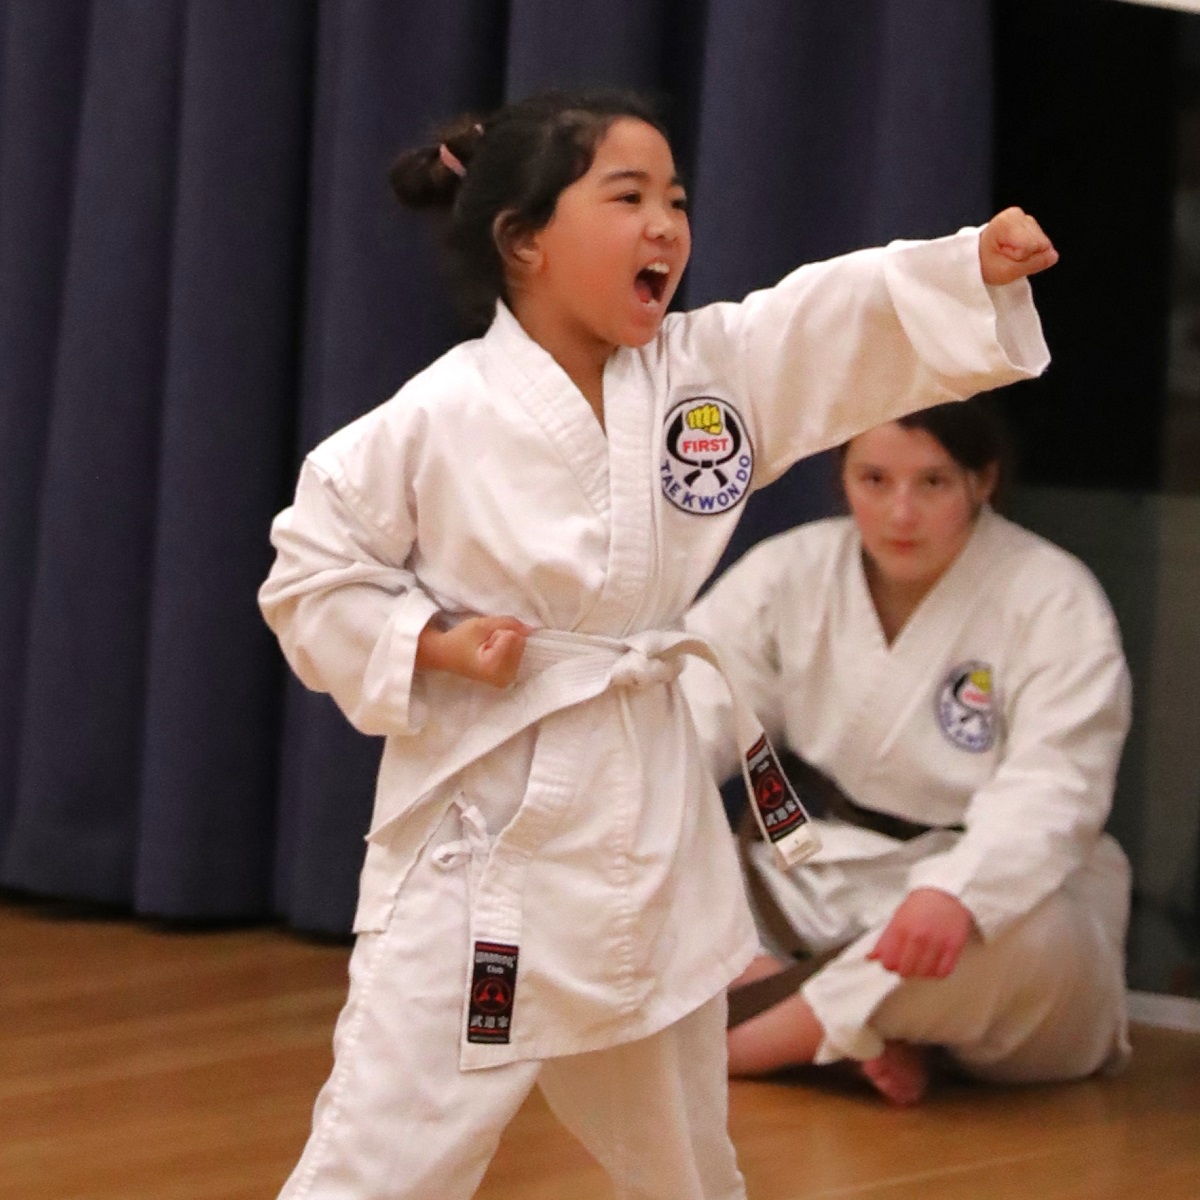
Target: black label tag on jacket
pixel 493 987
pixel 780 810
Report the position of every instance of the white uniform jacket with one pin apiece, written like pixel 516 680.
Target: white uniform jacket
pixel 486 485
pixel 1002 707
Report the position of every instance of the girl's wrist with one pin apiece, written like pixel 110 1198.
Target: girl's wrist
pixel 434 646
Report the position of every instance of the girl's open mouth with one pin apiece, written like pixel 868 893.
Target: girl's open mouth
pixel 650 283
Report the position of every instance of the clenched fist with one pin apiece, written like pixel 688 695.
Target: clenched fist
pixel 486 649
pixel 1011 246
pixel 707 417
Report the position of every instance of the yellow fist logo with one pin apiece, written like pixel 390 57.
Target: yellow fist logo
pixel 706 417
pixel 982 679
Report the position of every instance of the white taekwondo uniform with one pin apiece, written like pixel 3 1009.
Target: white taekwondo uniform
pixel 1001 707
pixel 569 824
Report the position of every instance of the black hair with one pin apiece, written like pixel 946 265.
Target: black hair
pixel 515 163
pixel 970 431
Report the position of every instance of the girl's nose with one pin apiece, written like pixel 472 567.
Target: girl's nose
pixel 663 225
pixel 903 510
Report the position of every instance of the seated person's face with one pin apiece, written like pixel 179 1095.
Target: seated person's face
pixel 914 505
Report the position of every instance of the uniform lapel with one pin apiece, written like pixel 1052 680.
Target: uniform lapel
pixel 614 466
pixel 544 390
pixel 629 418
pixel 895 679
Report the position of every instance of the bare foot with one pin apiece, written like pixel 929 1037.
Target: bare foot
pixel 900 1074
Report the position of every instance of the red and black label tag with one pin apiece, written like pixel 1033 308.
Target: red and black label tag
pixel 778 805
pixel 493 987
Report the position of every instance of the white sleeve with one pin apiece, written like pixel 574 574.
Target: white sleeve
pixel 839 346
pixel 346 610
pixel 737 617
pixel 1036 821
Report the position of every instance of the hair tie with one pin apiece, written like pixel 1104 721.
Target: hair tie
pixel 451 161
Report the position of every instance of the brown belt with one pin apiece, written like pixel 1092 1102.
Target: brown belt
pixel 828 798
pixel 750 999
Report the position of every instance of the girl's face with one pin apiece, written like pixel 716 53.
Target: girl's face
pixel 914 505
pixel 604 269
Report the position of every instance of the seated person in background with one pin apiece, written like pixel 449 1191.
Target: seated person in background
pixel 958 684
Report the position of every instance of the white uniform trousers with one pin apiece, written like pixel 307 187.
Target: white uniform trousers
pixel 399 1120
pixel 1044 1000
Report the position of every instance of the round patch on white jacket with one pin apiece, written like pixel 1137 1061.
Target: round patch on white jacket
pixel 707 457
pixel 966 708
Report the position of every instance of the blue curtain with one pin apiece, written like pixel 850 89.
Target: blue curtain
pixel 201 275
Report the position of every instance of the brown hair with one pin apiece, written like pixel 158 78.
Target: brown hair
pixel 970 431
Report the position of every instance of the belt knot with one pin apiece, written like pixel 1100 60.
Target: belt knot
pixel 636 670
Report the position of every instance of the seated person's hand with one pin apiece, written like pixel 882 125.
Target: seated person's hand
pixel 925 936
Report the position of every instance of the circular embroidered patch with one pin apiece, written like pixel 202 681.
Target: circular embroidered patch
pixel 965 707
pixel 707 457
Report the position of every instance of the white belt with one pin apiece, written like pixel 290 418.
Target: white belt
pixel 560 670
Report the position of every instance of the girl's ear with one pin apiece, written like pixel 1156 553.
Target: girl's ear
pixel 519 248
pixel 985 482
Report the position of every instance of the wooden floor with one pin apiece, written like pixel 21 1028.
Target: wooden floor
pixel 138 1064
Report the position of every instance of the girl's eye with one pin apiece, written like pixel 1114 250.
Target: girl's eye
pixel 680 203
pixel 630 198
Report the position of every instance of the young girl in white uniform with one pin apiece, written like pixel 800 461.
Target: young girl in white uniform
pixel 490 571
pixel 962 681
